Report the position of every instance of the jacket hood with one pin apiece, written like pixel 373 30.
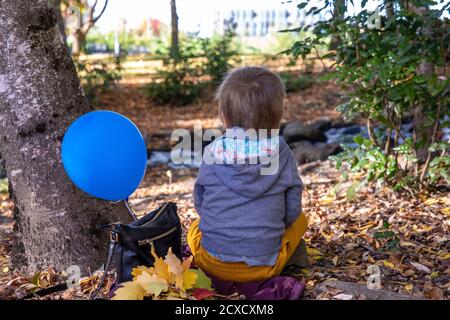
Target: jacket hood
pixel 264 175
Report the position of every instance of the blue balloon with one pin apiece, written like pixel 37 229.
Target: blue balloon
pixel 105 155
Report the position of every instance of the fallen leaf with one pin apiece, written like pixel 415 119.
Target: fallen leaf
pixel 313 252
pixel 187 263
pixel 343 296
pixel 335 260
pixel 408 287
pixel 420 267
pixel 129 291
pixel 152 284
pixel 141 269
pixel 388 264
pixel 161 268
pixel 189 279
pixel 202 279
pixel 432 292
pixel 407 244
pixel 202 293
pixel 444 256
pixel 173 263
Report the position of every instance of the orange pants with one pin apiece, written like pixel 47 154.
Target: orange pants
pixel 240 271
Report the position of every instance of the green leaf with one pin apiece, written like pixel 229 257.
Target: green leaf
pixel 202 279
pixel 384 235
pixel 359 140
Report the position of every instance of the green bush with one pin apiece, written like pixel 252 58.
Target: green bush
pixel 295 83
pixel 98 76
pixel 200 63
pixel 384 69
pixel 219 53
pixel 179 86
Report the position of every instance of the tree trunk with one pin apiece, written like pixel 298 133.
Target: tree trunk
pixel 338 15
pixel 422 131
pixel 390 12
pixel 59 18
pixel 40 96
pixel 174 22
pixel 78 39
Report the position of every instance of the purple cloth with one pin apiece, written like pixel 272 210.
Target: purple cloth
pixel 277 288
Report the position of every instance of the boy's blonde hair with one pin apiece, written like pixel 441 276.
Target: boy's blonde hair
pixel 251 98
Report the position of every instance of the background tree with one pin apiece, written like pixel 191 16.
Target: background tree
pixel 394 71
pixel 174 48
pixel 40 96
pixel 339 9
pixel 87 21
pixel 61 23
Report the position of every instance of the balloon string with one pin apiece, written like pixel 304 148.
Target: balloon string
pixel 129 209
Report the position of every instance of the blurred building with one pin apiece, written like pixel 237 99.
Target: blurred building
pixel 258 23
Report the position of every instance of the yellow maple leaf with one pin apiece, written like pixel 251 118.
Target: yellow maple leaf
pixel 173 264
pixel 187 263
pixel 130 290
pixel 408 287
pixel 152 284
pixel 161 268
pixel 189 279
pixel 140 270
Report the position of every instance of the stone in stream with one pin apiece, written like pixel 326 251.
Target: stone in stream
pixel 306 152
pixel 296 131
pixel 322 124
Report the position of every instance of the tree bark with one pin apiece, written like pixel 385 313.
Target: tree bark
pixel 59 18
pixel 338 15
pixel 174 22
pixel 390 12
pixel 86 23
pixel 78 40
pixel 426 68
pixel 40 96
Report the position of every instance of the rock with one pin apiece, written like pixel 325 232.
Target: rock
pixel 332 98
pixel 306 152
pixel 357 290
pixel 297 131
pixel 352 130
pixel 322 124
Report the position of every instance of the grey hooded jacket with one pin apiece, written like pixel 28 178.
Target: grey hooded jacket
pixel 244 213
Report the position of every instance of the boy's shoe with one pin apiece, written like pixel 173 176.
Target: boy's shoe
pixel 300 257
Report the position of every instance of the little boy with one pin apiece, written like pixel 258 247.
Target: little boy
pixel 250 219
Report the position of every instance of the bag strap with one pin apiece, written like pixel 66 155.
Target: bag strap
pixel 112 245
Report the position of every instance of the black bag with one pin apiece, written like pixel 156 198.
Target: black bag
pixel 131 244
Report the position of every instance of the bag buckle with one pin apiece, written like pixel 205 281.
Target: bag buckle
pixel 113 237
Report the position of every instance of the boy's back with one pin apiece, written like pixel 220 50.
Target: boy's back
pixel 244 213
